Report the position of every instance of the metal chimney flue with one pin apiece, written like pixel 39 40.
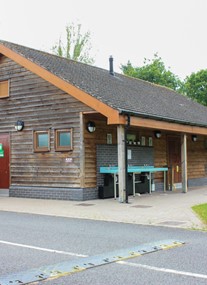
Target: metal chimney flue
pixel 111 66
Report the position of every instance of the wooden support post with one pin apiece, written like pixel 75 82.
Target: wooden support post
pixel 82 152
pixel 121 163
pixel 184 163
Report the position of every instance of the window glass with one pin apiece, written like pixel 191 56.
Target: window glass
pixel 41 141
pixel 63 140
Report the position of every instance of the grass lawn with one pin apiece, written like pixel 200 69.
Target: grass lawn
pixel 201 211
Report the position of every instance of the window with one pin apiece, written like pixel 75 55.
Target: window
pixel 4 89
pixel 41 141
pixel 63 140
pixel 143 141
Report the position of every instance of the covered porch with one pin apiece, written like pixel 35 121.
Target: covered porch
pixel 177 153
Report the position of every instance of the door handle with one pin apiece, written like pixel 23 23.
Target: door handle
pixel 177 168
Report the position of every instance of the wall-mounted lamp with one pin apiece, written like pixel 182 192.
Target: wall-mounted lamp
pixel 19 125
pixel 157 134
pixel 194 138
pixel 91 127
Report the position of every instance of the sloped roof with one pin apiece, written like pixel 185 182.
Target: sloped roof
pixel 122 93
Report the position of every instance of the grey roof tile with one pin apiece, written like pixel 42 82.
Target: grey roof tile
pixel 121 92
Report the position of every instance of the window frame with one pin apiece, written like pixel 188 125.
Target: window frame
pixel 36 148
pixel 57 142
pixel 6 88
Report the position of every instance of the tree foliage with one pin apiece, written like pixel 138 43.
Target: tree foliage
pixel 196 86
pixel 154 71
pixel 77 45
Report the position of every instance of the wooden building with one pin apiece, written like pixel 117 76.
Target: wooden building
pixel 48 104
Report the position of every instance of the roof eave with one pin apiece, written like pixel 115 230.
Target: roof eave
pixel 159 118
pixel 165 124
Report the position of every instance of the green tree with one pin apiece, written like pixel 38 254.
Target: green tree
pixel 196 86
pixel 154 71
pixel 77 45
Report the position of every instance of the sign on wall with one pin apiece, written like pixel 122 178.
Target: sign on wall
pixel 1 150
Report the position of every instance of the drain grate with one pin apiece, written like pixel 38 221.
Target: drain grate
pixel 141 206
pixel 74 266
pixel 85 204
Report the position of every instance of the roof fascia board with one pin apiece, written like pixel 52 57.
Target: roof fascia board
pixel 160 118
pixel 162 125
pixel 61 84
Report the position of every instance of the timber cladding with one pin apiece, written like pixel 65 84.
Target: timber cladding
pixel 91 140
pixel 197 158
pixel 42 107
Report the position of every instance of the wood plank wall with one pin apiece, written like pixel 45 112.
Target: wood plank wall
pixel 160 153
pixel 197 157
pixel 91 140
pixel 41 106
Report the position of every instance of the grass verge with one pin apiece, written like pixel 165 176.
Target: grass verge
pixel 201 211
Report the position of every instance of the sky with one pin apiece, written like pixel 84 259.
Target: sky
pixel 128 30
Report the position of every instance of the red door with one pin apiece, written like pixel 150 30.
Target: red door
pixel 174 158
pixel 4 162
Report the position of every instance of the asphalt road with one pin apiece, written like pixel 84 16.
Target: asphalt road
pixel 34 241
